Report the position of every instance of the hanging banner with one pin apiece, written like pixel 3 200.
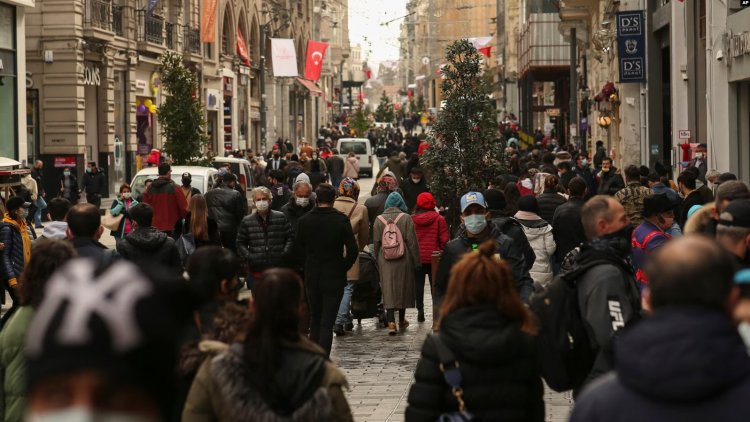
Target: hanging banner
pixel 631 46
pixel 479 42
pixel 208 22
pixel 316 51
pixel 284 57
pixel 486 51
pixel 242 48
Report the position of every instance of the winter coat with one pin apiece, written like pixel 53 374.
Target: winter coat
pixel 610 182
pixel 17 250
pixel 183 227
pixel 351 168
pixel 396 166
pixel 168 202
pixel 73 195
pixel 693 198
pixel 357 215
pixel 95 183
pixel 512 228
pixel 548 201
pixel 54 230
pixel 680 364
pixel 335 166
pixel 147 246
pixel 631 197
pixel 567 228
pixel 267 248
pixel 37 175
pixel 500 378
pixel 306 387
pixel 539 234
pixel 322 235
pixel 397 276
pixel 122 207
pixel 13 364
pixel 293 213
pixel 227 207
pixel 432 234
pixel 89 248
pixel 411 190
pixel 591 183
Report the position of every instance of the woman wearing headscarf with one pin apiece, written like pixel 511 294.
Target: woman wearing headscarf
pixel 347 204
pixel 396 272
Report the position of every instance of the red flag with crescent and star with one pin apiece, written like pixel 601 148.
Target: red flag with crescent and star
pixel 314 63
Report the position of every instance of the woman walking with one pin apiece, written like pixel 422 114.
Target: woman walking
pixel 351 166
pixel 276 373
pixel 69 186
pixel 539 234
pixel 122 205
pixel 432 235
pixel 490 334
pixel 398 257
pixel 204 229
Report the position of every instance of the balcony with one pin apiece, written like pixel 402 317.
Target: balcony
pixel 169 29
pixel 191 40
pixel 98 20
pixel 117 20
pixel 151 34
pixel 541 45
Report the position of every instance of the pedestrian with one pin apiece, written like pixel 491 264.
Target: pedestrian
pixel 657 186
pixel 652 233
pixel 146 184
pixel 700 162
pixel 375 204
pixel 550 199
pixel 198 223
pixel 688 330
pixel 279 189
pixel 565 172
pixel 412 186
pixel 69 186
pixel 397 250
pixel 432 236
pixel 487 341
pixel 600 154
pixel 539 234
pixel 316 170
pixel 122 205
pixel 347 204
pixel 146 246
pixel 41 204
pixel 95 184
pixel 632 196
pixel 567 228
pixel 16 241
pixel 336 166
pixel 32 196
pixel 733 231
pixel 583 171
pixel 322 235
pixel 187 187
pixel 45 259
pixel 351 166
pixel 300 203
pixel 57 228
pixel 264 238
pixel 84 231
pixel 507 225
pixel 276 162
pixel 396 166
pixel 275 371
pixel 686 185
pixel 609 179
pixel 512 195
pixel 227 207
pixel 168 202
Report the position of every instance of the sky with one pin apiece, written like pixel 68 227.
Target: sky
pixel 366 27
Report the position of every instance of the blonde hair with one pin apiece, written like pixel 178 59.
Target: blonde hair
pixel 198 217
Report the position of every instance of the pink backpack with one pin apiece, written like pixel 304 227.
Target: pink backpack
pixel 392 239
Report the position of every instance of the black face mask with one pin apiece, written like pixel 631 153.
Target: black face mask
pixel 186 182
pixel 620 241
pixel 276 156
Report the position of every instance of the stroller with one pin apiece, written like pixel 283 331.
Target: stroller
pixel 366 297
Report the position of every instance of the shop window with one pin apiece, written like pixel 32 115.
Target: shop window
pixel 8 81
pixel 702 21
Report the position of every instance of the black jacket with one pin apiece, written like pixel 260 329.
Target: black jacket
pixel 265 248
pixel 90 248
pixel 500 379
pixel 509 251
pixel 610 182
pixel 74 194
pixel 694 198
pixel 37 176
pixel 322 235
pixel 411 190
pixel 680 364
pixel 12 257
pixel 567 227
pixel 227 207
pixel 548 201
pixel 375 206
pixel 214 237
pixel 147 246
pixel 293 213
pixel 95 183
pixel 335 165
pixel 512 228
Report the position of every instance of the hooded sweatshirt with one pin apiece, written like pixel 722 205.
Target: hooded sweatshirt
pixel 432 234
pixel 539 234
pixel 55 230
pixel 149 246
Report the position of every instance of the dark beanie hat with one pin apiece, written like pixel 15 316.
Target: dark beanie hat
pixel 495 199
pixel 528 203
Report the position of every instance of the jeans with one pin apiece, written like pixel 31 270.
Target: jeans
pixel 335 182
pixel 40 206
pixel 344 315
pixel 323 309
pixel 419 291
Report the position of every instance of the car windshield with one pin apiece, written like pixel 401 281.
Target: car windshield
pixel 359 148
pixel 235 167
pixel 138 182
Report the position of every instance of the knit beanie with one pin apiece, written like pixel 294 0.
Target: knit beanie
pixel 528 203
pixel 495 199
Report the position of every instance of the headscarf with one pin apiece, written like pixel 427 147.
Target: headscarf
pixel 349 188
pixel 302 177
pixel 387 184
pixel 395 200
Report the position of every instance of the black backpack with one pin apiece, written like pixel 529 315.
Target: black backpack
pixel 565 352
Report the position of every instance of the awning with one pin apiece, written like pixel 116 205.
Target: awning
pixel 311 86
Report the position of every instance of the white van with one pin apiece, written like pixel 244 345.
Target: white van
pixel 202 178
pixel 361 147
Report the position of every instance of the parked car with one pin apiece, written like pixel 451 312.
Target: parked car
pixel 203 178
pixel 361 147
pixel 240 168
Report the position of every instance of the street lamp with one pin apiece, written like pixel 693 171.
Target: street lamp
pixel 344 56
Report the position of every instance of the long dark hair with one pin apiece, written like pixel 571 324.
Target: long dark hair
pixel 46 258
pixel 277 298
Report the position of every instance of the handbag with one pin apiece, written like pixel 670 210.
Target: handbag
pixel 452 374
pixel 110 221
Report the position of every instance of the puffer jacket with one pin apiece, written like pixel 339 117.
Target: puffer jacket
pixel 306 387
pixel 541 239
pixel 548 201
pixel 432 234
pixel 168 202
pixel 13 257
pixel 293 213
pixel 227 207
pixel 265 249
pixel 148 246
pixel 500 377
pixel 13 364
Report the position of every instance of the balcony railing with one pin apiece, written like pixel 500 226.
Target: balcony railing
pixel 541 43
pixel 117 19
pixel 150 28
pixel 191 41
pixel 98 14
pixel 169 27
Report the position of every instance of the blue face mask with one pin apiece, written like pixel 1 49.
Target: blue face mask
pixel 475 223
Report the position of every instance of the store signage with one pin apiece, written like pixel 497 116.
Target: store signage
pixel 553 112
pixel 740 44
pixel 684 134
pixel 631 46
pixel 140 85
pixel 62 162
pixel 213 99
pixel 29 81
pixel 91 76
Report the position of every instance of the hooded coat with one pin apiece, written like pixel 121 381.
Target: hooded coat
pixel 432 234
pixel 168 202
pixel 540 237
pixel 147 246
pixel 397 277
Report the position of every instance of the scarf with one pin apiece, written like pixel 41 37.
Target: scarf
pixel 24 236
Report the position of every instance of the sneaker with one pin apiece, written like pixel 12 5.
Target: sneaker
pixel 349 326
pixel 392 329
pixel 403 324
pixel 420 316
pixel 338 329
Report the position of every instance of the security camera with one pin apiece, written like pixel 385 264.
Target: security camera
pixel 719 55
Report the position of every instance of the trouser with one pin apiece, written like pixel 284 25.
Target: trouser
pixel 381 162
pixel 390 314
pixel 40 206
pixel 419 291
pixel 336 181
pixel 95 199
pixel 323 309
pixel 14 302
pixel 344 316
pixel 229 240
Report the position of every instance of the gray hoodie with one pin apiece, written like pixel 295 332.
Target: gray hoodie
pixel 55 230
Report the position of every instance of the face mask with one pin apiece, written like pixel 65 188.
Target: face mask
pixel 24 213
pixel 66 173
pixel 699 155
pixel 78 414
pixel 88 169
pixel 605 170
pixel 126 195
pixel 302 202
pixel 621 240
pixel 262 206
pixel 416 180
pixel 475 223
pixel 585 162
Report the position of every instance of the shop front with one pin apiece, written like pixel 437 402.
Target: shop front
pixel 147 85
pixel 12 79
pixel 738 62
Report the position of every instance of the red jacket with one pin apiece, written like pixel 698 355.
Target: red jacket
pixel 432 234
pixel 168 202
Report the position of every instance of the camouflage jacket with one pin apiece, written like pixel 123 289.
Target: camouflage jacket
pixel 631 197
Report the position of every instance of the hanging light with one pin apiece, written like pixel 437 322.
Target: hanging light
pixel 604 121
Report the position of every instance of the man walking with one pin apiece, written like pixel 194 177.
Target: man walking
pixel 658 214
pixel 95 184
pixel 41 204
pixel 322 235
pixel 227 207
pixel 631 196
pixel 567 228
pixel 166 199
pixel 335 165
pixel 146 246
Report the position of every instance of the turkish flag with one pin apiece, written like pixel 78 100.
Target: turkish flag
pixel 314 63
pixel 485 50
pixel 242 48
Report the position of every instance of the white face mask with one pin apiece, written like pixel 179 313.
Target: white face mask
pixel 416 180
pixel 262 205
pixel 302 202
pixel 126 195
pixel 82 414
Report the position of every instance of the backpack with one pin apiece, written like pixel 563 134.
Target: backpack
pixel 392 239
pixel 640 275
pixel 565 352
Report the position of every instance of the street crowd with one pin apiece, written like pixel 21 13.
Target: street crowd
pixel 623 285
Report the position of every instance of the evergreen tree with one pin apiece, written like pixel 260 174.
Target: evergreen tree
pixel 181 114
pixel 384 112
pixel 464 152
pixel 360 120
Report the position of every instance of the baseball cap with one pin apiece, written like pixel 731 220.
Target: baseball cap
pixel 736 214
pixel 15 203
pixel 472 198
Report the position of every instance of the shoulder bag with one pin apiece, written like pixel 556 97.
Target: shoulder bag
pixel 452 374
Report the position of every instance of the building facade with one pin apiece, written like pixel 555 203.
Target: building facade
pixel 13 81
